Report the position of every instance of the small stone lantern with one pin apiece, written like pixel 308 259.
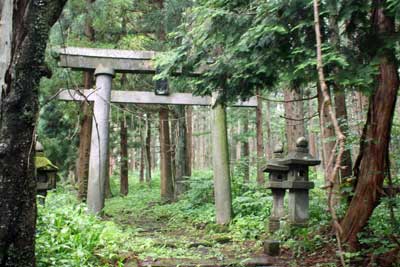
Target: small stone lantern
pixel 277 176
pixel 161 85
pixel 297 182
pixel 46 172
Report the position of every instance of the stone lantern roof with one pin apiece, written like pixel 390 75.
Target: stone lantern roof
pixel 276 163
pixel 301 155
pixel 41 161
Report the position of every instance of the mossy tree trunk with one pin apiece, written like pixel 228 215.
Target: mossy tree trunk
pixel 30 26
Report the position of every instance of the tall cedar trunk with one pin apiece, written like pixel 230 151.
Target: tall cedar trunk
pixel 260 143
pixel 167 186
pixel 142 163
pixel 195 142
pixel 268 144
pixel 245 149
pixel 341 114
pixel 371 165
pixel 294 113
pixel 124 157
pixel 340 97
pixel 327 136
pixel 142 153
pixel 173 140
pixel 29 28
pixel 84 142
pixel 148 148
pixel 189 136
pixel 181 153
pixel 85 133
pixel 311 133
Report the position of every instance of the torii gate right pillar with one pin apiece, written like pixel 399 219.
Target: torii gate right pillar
pixel 99 152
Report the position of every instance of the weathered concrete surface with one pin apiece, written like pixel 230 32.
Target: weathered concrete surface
pixel 143 97
pixel 298 206
pixel 99 152
pixel 222 180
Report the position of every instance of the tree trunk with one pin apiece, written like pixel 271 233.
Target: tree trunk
pixel 85 133
pixel 189 143
pixel 341 114
pixel 268 145
pixel 142 153
pixel 167 186
pixel 222 181
pixel 327 136
pixel 260 143
pixel 148 148
pixel 181 153
pixel 29 24
pixel 294 113
pixel 371 165
pixel 173 140
pixel 124 156
pixel 245 153
pixel 340 97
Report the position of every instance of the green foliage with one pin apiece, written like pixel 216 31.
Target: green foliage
pixel 68 236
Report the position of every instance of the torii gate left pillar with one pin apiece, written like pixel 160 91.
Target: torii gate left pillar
pixel 98 163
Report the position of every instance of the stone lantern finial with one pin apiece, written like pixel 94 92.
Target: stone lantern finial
pixel 302 145
pixel 278 151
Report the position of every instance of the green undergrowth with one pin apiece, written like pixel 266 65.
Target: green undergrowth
pixel 68 236
pixel 140 225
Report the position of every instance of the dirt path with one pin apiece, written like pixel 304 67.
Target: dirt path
pixel 164 241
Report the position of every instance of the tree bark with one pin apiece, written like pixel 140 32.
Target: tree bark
pixel 260 143
pixel 29 24
pixel 148 148
pixel 245 150
pixel 371 165
pixel 181 152
pixel 124 157
pixel 142 152
pixel 268 145
pixel 189 142
pixel 167 187
pixel 339 95
pixel 85 133
pixel 327 135
pixel 294 113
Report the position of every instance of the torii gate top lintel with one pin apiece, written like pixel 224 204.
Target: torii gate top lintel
pixel 125 61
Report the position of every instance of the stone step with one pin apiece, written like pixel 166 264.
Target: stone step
pixel 258 261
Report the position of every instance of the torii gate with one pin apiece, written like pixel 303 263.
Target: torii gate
pixel 105 63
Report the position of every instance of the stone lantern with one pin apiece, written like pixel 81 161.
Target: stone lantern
pixel 277 176
pixel 298 182
pixel 46 172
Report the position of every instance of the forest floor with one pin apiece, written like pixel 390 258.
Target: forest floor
pixel 140 230
pixel 167 235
